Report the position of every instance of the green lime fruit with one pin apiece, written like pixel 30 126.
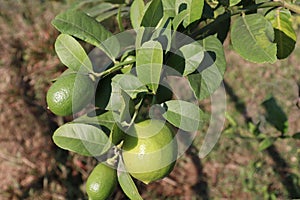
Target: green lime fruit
pixel 69 94
pixel 101 182
pixel 150 153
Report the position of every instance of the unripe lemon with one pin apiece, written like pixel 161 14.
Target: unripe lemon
pixel 69 94
pixel 101 182
pixel 151 153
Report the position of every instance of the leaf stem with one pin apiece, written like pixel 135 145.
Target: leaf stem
pixel 292 7
pixel 116 67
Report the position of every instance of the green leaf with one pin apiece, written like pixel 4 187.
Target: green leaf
pixel 252 37
pixel 94 118
pixel 194 10
pixel 126 182
pixel 84 27
pixel 193 54
pixel 100 9
pixel 169 8
pixel 184 115
pixel 163 33
pixel 116 135
pixel 275 115
pixel 71 54
pixel 234 2
pixel 129 84
pixel 149 60
pixel 153 14
pixel 211 69
pixel 285 36
pixel 83 139
pixel 103 16
pixel 121 104
pixel 266 143
pixel 136 13
pixel 179 18
pixel 296 136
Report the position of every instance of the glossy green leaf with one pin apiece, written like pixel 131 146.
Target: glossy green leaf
pixel 252 37
pixel 149 61
pixel 275 115
pixel 285 35
pixel 103 16
pixel 126 182
pixel 193 54
pixel 130 84
pixel 266 143
pixel 83 139
pixel 71 54
pixel 98 119
pixel 234 2
pixel 121 105
pixel 184 115
pixel 169 8
pixel 84 27
pixel 116 135
pixel 211 69
pixel 194 10
pixel 179 18
pixel 163 33
pixel 153 14
pixel 100 8
pixel 136 13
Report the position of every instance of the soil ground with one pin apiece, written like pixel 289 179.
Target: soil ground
pixel 32 167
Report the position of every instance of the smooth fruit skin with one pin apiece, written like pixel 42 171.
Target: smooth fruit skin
pixel 151 155
pixel 69 94
pixel 101 182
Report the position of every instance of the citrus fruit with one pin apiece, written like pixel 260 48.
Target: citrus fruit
pixel 101 182
pixel 149 150
pixel 69 94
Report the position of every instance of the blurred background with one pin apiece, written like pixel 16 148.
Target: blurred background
pixel 246 163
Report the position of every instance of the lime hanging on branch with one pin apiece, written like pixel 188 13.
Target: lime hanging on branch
pixel 69 94
pixel 149 151
pixel 101 182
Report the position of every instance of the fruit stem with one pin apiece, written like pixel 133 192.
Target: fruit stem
pixel 113 160
pixel 116 67
pixel 135 114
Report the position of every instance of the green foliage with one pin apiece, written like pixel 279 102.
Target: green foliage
pixel 84 139
pixel 184 115
pixel 72 54
pixel 127 183
pixel 184 35
pixel 285 36
pixel 256 43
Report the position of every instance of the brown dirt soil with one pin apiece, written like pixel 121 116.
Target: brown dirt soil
pixel 32 167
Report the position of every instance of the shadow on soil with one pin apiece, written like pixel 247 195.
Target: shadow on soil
pixel 281 167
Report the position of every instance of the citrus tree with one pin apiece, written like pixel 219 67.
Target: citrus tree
pixel 135 96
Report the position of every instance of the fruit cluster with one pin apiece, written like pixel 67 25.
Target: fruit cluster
pixel 147 148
